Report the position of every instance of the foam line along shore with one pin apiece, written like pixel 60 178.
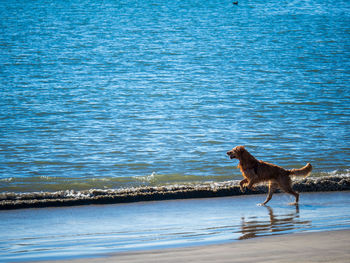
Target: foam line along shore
pixel 12 200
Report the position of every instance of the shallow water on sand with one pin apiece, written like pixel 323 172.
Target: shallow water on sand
pixel 56 233
pixel 140 92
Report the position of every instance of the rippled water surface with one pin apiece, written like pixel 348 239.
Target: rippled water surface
pixel 135 91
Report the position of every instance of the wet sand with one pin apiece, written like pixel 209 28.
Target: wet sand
pixel 330 246
pixel 224 229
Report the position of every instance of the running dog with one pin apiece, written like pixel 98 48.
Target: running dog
pixel 255 171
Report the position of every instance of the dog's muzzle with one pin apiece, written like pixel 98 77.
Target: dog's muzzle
pixel 231 155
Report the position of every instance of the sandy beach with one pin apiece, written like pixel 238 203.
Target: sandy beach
pixel 329 246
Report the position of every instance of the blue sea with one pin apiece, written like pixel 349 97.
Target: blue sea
pixel 115 93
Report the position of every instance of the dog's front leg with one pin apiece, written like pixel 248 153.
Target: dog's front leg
pixel 242 184
pixel 251 184
pixel 272 188
pixel 253 178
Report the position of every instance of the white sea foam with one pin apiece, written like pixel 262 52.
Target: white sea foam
pixel 77 194
pixel 338 172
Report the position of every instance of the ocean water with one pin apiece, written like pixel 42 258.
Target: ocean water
pixel 115 93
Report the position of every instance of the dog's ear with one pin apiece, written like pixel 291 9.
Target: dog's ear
pixel 239 150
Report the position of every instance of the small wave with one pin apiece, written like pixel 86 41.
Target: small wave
pixel 148 178
pixel 12 200
pixel 164 179
pixel 345 172
pixel 52 184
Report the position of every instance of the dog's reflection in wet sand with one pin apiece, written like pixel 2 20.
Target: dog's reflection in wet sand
pixel 254 227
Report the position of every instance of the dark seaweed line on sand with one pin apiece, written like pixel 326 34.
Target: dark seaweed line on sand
pixel 205 190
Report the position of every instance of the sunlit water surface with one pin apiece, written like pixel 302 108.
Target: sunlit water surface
pixel 57 233
pixel 121 93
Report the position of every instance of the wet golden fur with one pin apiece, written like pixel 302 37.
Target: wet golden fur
pixel 255 171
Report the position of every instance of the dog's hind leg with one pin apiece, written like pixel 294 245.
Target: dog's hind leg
pixel 296 197
pixel 272 188
pixel 288 189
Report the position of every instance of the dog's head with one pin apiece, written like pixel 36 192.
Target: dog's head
pixel 236 152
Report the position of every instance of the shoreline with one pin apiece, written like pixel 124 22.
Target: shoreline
pixel 325 246
pixel 85 232
pixel 10 201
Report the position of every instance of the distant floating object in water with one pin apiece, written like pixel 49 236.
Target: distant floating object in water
pixel 235 3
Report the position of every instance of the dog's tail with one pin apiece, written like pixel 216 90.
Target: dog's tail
pixel 304 171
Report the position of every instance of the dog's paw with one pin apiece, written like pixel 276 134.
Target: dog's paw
pixel 261 204
pixel 293 204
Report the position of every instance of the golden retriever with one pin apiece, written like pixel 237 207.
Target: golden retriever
pixel 255 171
